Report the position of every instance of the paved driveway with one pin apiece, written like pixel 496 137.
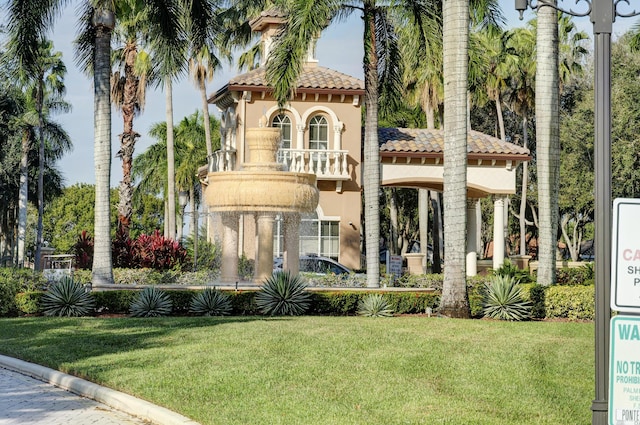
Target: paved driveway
pixel 27 401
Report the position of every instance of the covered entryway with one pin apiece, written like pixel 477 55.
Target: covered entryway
pixel 413 158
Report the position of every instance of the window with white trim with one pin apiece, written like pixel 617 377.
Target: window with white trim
pixel 321 237
pixel 283 122
pixel 318 133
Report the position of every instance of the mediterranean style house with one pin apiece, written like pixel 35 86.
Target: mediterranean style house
pixel 322 134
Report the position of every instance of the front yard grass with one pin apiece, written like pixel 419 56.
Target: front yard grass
pixel 327 370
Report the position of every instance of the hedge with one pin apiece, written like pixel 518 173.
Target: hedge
pixel 570 302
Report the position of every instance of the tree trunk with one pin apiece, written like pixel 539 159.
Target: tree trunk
pixel 548 140
pixel 436 233
pixel 503 134
pixel 22 199
pixel 128 139
pixel 524 189
pixel 371 165
pixel 454 301
pixel 39 238
pixel 102 263
pixel 171 175
pixel 205 115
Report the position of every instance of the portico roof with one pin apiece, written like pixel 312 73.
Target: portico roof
pixel 414 158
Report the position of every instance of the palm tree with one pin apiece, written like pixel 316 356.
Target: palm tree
pixel 520 98
pixel 454 300
pixel 128 88
pixel 45 90
pixel 548 140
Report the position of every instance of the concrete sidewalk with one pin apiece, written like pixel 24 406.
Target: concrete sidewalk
pixel 33 394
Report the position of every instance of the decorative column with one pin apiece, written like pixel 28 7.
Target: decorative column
pixel 498 232
pixel 472 225
pixel 291 232
pixel 264 262
pixel 229 268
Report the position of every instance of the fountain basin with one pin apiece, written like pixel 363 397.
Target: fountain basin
pixel 262 191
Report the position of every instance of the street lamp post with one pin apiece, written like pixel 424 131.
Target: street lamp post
pixel 602 14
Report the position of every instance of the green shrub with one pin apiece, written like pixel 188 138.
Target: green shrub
pixel 180 300
pixel 283 294
pixel 67 298
pixel 432 280
pixel 570 302
pixel 508 269
pixel 114 302
pixel 412 302
pixel 340 303
pixel 246 267
pixel 374 305
pixel 29 302
pixel 582 275
pixel 14 280
pixel 151 302
pixel 504 300
pixel 82 276
pixel 244 302
pixel 535 294
pixel 211 302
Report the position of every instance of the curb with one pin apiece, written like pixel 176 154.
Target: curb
pixel 112 398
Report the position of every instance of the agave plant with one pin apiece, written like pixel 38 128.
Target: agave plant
pixel 67 298
pixel 211 302
pixel 374 305
pixel 283 294
pixel 151 302
pixel 503 299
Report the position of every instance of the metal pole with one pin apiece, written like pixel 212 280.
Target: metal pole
pixel 602 18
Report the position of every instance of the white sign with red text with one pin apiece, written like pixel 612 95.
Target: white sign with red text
pixel 625 256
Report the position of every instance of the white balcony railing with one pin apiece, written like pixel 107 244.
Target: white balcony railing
pixel 325 164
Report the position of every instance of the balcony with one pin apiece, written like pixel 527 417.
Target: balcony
pixel 330 165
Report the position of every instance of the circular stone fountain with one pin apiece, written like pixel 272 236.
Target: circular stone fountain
pixel 261 187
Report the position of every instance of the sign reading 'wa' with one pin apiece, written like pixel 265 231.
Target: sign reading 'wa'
pixel 625 256
pixel 624 371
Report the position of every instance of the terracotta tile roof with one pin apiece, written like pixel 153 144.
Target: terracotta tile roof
pixel 312 78
pixel 423 141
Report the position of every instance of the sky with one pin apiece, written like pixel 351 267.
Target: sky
pixel 339 48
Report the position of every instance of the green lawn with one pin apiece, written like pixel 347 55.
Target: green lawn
pixel 327 370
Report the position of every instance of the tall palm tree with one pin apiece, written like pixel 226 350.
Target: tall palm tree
pixel 520 99
pixel 44 91
pixel 548 140
pixel 128 88
pixel 454 301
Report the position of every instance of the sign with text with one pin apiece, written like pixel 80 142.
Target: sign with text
pixel 624 371
pixel 394 265
pixel 625 256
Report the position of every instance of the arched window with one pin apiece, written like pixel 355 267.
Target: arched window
pixel 283 122
pixel 318 133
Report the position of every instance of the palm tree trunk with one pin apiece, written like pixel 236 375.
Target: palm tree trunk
pixel 39 239
pixel 503 134
pixel 102 263
pixel 548 140
pixel 371 165
pixel 171 175
pixel 454 302
pixel 128 138
pixel 205 116
pixel 523 191
pixel 22 199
